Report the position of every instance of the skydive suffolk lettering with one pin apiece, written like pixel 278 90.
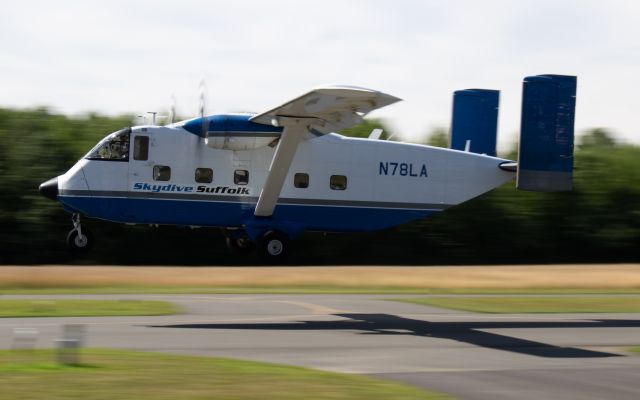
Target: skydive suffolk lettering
pixel 222 190
pixel 402 169
pixel 190 189
pixel 162 188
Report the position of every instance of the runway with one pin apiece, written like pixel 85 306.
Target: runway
pixel 468 355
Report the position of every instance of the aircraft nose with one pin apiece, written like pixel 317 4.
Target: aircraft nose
pixel 49 189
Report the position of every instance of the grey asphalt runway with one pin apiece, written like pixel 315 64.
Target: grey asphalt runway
pixel 468 355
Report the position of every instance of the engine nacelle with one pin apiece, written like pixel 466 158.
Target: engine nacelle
pixel 233 132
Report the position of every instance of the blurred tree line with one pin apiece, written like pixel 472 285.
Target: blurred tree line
pixel 599 221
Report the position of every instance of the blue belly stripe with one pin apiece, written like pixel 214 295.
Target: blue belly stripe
pixel 234 214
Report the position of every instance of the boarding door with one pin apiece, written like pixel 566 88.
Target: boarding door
pixel 140 166
pixel 140 163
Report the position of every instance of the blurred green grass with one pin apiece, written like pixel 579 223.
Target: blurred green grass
pixel 114 374
pixel 83 308
pixel 524 304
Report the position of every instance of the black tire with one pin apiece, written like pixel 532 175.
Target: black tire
pixel 77 244
pixel 240 244
pixel 273 247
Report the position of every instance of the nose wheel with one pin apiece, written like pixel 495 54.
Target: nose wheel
pixel 79 239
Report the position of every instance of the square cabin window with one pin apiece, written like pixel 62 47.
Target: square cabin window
pixel 241 177
pixel 204 175
pixel 338 182
pixel 161 173
pixel 141 148
pixel 301 180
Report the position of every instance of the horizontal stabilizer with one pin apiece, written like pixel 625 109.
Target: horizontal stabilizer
pixel 474 123
pixel 545 155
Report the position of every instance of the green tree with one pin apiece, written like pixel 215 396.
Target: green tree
pixel 597 138
pixel 438 137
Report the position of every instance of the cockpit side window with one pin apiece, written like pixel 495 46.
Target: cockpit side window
pixel 141 148
pixel 114 147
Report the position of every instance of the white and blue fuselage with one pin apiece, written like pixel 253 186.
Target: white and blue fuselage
pixel 190 175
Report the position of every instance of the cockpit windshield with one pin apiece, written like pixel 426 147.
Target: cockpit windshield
pixel 114 147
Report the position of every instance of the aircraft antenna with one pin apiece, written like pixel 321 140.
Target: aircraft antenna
pixel 172 109
pixel 153 117
pixel 202 106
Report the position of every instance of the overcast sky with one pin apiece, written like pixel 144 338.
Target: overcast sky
pixel 130 56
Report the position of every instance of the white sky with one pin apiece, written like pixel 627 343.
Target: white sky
pixel 130 56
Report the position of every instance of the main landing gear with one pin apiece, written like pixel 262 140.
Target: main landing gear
pixel 272 246
pixel 79 239
pixel 238 242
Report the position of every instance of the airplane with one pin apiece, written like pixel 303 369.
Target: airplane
pixel 266 178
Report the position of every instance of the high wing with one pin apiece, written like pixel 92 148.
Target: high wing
pixel 320 111
pixel 333 107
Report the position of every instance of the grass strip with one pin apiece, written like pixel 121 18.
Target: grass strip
pixel 524 304
pixel 610 278
pixel 83 308
pixel 114 374
pixel 298 289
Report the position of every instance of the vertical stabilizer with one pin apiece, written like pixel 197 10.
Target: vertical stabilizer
pixel 545 154
pixel 474 123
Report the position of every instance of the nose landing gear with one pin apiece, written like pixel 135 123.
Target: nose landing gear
pixel 79 239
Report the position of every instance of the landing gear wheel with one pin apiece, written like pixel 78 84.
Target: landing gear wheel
pixel 80 241
pixel 239 245
pixel 273 247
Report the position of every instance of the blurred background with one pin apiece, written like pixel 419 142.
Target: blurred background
pixel 73 72
pixel 598 222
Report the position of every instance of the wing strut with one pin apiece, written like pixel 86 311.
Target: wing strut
pixel 294 130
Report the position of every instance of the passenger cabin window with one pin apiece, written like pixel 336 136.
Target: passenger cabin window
pixel 141 148
pixel 241 177
pixel 161 173
pixel 301 180
pixel 114 147
pixel 338 182
pixel 204 175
